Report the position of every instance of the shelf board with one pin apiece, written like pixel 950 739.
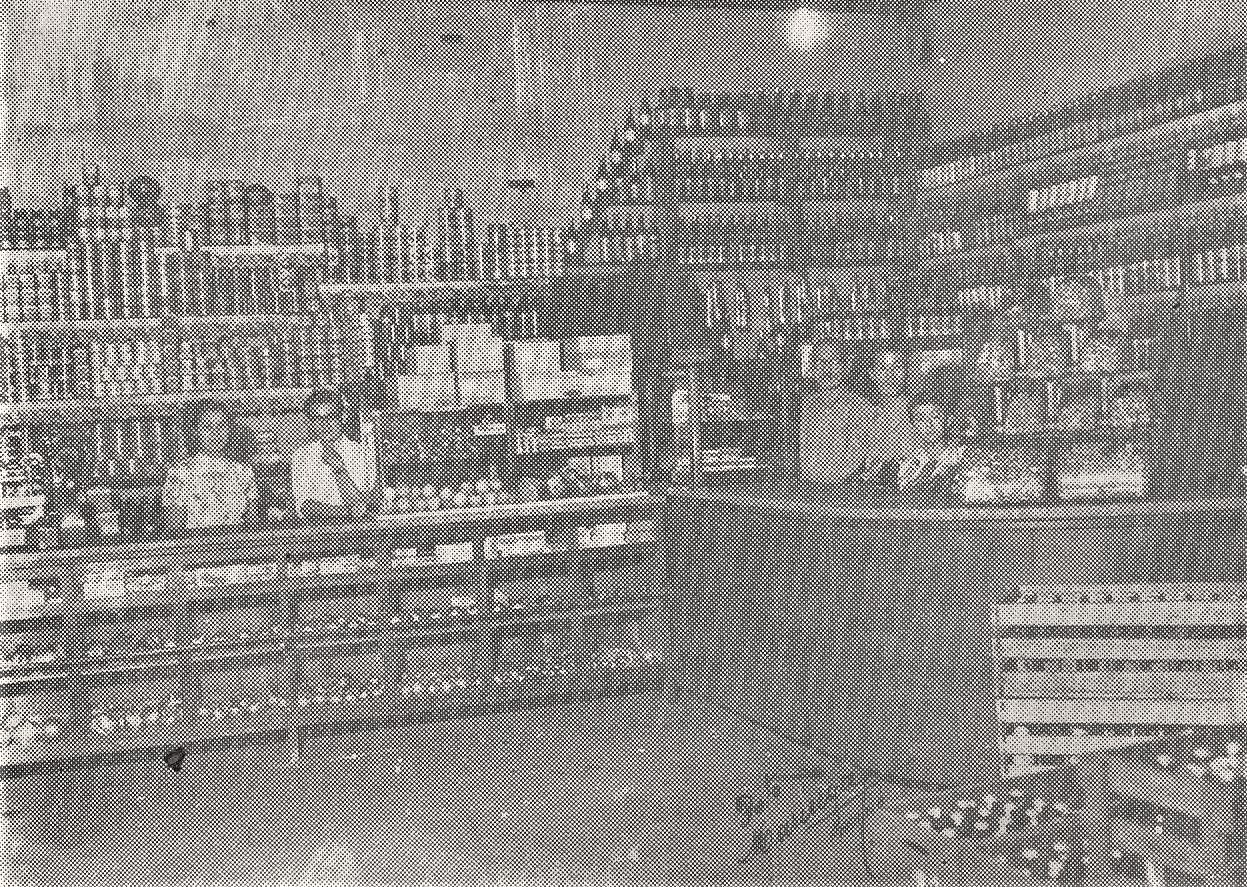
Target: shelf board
pixel 142 403
pixel 154 736
pixel 268 720
pixel 333 582
pixel 573 398
pixel 8 329
pixel 446 629
pixel 258 250
pixel 577 449
pixel 928 264
pixel 32 255
pixel 36 677
pixel 139 660
pixel 328 714
pixel 104 669
pixel 712 203
pixel 733 266
pixel 514 509
pixel 1186 212
pixel 316 644
pixel 56 751
pixel 245 320
pixel 222 654
pixel 1093 151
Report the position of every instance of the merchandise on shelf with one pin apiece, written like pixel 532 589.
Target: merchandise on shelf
pixel 114 719
pixel 1001 476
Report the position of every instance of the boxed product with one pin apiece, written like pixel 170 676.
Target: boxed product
pixel 1011 475
pixel 422 393
pixel 597 365
pixel 431 383
pixel 480 356
pixel 1102 470
pixel 609 464
pixel 482 389
pixel 431 360
pixel 536 370
pixel 453 333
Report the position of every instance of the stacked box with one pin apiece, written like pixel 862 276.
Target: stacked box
pixel 431 383
pixel 598 365
pixel 480 366
pixel 536 370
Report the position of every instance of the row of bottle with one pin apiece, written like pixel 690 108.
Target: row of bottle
pixel 235 213
pixel 827 245
pixel 683 112
pixel 1118 273
pixel 814 311
pixel 773 173
pixel 1076 126
pixel 113 281
pixel 620 240
pixel 623 190
pixel 397 253
pixel 306 358
pixel 729 240
pixel 133 280
pixel 41 368
pixel 399 330
pixel 31 229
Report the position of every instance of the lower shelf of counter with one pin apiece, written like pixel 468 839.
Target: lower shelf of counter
pixel 286 719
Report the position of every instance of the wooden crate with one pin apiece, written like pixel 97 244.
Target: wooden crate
pixel 1166 656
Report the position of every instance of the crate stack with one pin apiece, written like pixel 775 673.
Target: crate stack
pixel 1085 668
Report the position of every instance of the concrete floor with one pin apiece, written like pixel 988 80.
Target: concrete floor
pixel 622 791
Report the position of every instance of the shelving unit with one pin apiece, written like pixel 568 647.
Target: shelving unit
pixel 201 648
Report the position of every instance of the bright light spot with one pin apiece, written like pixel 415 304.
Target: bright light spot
pixel 806 29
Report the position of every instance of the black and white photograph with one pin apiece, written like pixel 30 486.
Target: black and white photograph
pixel 623 443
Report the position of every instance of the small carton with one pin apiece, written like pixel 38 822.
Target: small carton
pixel 425 393
pixel 536 370
pixel 477 389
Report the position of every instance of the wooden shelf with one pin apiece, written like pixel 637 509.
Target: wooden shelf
pixel 141 404
pixel 246 320
pixel 144 324
pixel 256 250
pixel 1101 150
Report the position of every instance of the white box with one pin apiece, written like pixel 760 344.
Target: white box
pixel 475 390
pixel 536 370
pixel 480 356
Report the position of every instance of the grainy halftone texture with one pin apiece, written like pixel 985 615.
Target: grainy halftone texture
pixel 865 636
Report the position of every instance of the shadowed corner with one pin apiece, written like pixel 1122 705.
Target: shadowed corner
pixel 174 758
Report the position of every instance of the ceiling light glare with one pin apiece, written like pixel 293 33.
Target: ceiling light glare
pixel 806 29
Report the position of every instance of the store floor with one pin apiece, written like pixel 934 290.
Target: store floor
pixel 622 791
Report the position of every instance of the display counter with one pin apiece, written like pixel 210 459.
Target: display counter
pixel 867 632
pixel 114 650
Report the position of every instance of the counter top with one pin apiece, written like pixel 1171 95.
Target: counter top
pixel 833 502
pixel 231 545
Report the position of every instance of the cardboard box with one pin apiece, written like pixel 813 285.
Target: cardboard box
pixel 536 370
pixel 453 333
pixel 474 389
pixel 423 392
pixel 480 357
pixel 617 380
pixel 431 360
pixel 598 365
